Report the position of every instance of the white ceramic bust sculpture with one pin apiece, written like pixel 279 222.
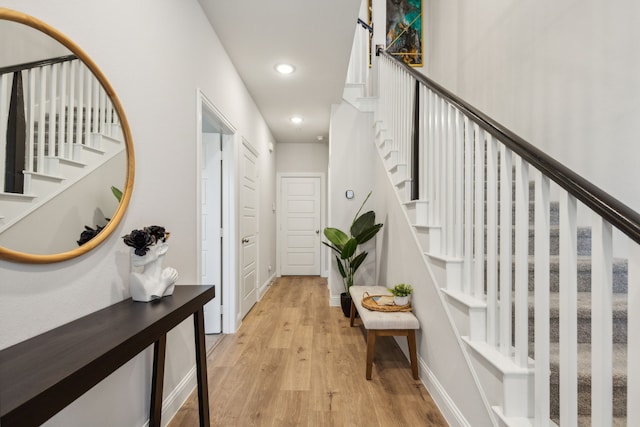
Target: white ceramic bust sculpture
pixel 148 248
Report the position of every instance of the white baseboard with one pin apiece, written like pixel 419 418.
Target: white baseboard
pixel 265 286
pixel 334 301
pixel 177 397
pixel 447 406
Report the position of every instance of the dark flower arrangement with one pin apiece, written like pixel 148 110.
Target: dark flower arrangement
pixel 88 234
pixel 148 236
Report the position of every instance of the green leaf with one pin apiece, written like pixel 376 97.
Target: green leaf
pixel 361 206
pixel 337 237
pixel 366 235
pixel 116 192
pixel 349 248
pixel 340 267
pixel 332 247
pixel 357 261
pixel 363 222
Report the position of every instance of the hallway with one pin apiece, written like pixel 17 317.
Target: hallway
pixel 296 362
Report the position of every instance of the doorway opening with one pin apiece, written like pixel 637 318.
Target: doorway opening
pixel 215 207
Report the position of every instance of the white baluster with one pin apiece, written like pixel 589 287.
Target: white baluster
pixel 431 153
pixel 506 206
pixel 54 148
pixel 80 105
pixel 522 263
pixel 71 103
pixel 568 310
pixel 542 391
pixel 468 205
pixel 42 111
pixel 449 212
pixel 492 241
pixel 422 142
pixel 601 323
pixel 88 102
pixel 102 111
pixel 479 203
pixel 64 113
pixel 458 204
pixel 437 163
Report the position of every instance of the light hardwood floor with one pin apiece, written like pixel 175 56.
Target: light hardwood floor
pixel 296 362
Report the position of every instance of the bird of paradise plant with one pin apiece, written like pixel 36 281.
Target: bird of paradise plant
pixel 363 228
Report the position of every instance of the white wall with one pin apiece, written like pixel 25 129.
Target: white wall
pixel 155 54
pixel 351 160
pixel 302 157
pixel 562 75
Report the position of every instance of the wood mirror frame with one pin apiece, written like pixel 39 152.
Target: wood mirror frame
pixel 13 255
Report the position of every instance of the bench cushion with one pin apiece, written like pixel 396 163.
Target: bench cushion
pixel 379 319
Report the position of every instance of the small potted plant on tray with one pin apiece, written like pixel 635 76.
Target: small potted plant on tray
pixel 401 293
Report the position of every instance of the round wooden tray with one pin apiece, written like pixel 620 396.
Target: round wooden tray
pixel 369 303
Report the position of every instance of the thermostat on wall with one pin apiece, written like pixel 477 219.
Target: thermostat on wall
pixel 349 194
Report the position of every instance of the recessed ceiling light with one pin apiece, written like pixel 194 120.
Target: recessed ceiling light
pixel 285 68
pixel 296 120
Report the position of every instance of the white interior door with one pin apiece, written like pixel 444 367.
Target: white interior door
pixel 248 229
pixel 300 226
pixel 212 227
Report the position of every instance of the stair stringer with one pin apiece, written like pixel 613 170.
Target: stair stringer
pixel 459 394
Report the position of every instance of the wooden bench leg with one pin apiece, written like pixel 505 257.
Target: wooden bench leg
pixel 352 313
pixel 411 340
pixel 371 345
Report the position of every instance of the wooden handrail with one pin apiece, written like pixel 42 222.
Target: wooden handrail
pixel 37 64
pixel 608 207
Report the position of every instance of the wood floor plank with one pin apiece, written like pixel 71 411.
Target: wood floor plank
pixel 295 361
pixel 297 373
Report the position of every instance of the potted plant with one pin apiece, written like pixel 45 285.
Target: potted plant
pixel 401 293
pixel 348 259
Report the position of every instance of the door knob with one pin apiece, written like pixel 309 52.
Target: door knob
pixel 245 240
pixel 317 231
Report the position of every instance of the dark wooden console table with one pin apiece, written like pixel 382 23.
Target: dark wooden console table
pixel 42 375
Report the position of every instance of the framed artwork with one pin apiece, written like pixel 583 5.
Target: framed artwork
pixel 404 30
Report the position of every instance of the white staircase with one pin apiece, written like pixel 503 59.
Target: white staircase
pixel 71 130
pixel 496 224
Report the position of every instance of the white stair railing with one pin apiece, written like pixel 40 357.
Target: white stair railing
pixel 64 106
pixel 480 181
pixel 70 130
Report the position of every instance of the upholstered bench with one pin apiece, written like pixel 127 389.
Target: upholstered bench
pixel 378 323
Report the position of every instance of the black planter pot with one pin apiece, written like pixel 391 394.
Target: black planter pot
pixel 345 302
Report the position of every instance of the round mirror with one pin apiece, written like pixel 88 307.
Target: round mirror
pixel 66 151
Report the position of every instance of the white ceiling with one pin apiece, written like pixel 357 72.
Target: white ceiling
pixel 314 36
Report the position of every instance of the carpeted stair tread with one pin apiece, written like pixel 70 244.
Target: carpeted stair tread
pixel 619 362
pixel 620 269
pixel 618 303
pixel 618 376
pixel 619 317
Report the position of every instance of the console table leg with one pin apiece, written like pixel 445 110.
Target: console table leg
pixel 201 367
pixel 157 381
